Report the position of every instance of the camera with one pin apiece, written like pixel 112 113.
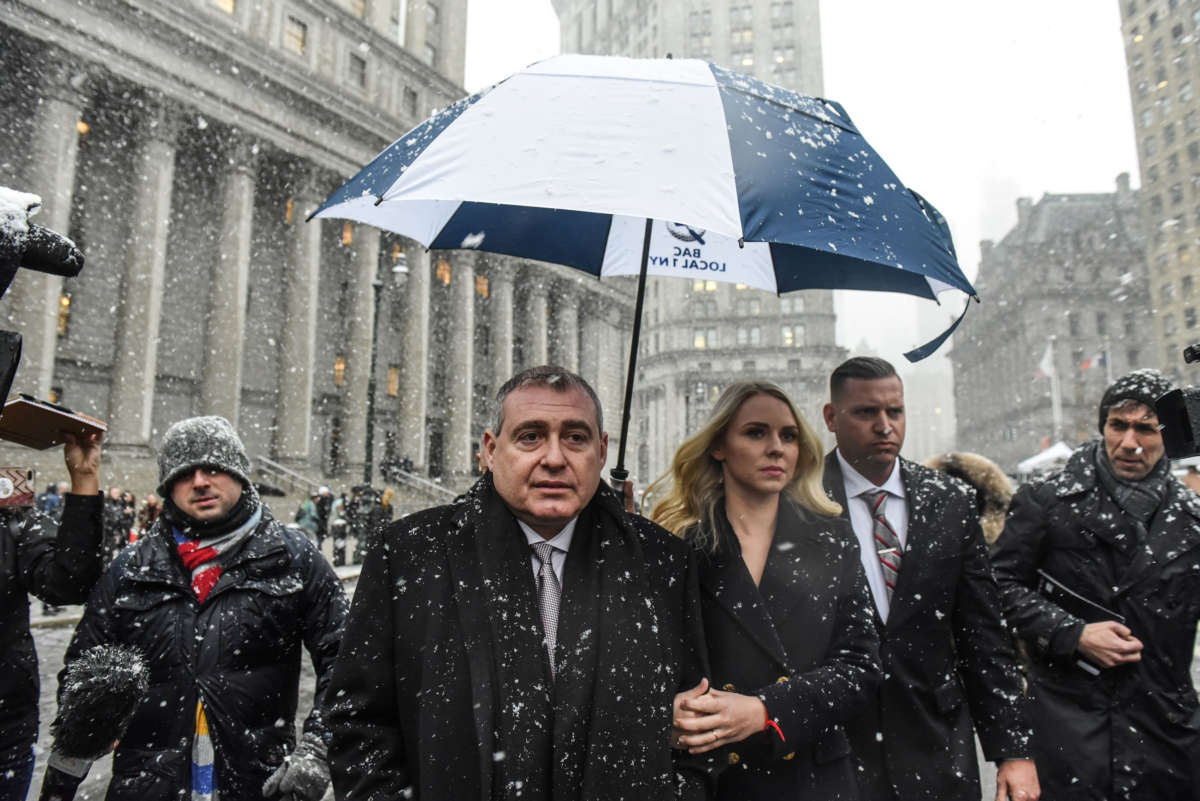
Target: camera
pixel 1179 414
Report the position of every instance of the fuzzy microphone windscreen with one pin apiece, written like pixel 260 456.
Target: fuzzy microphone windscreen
pixel 99 694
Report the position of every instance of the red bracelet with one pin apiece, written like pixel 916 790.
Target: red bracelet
pixel 770 724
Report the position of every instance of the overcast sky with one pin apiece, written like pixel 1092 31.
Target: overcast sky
pixel 973 104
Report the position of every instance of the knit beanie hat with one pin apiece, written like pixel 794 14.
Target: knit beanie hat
pixel 201 442
pixel 1143 386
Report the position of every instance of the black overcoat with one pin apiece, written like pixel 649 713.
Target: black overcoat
pixel 949 665
pixel 1129 732
pixel 239 651
pixel 416 709
pixel 803 640
pixel 57 569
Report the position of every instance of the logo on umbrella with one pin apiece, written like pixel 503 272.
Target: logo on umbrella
pixel 686 233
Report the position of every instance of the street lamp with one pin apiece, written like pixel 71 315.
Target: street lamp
pixel 376 285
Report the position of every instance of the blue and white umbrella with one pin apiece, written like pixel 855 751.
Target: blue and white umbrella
pixel 665 167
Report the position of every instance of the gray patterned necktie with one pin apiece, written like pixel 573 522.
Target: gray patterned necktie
pixel 549 591
pixel 887 544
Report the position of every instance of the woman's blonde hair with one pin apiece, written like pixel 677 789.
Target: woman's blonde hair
pixel 697 478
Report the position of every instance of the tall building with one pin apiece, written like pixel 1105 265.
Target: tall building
pixel 1164 78
pixel 1070 281
pixel 182 144
pixel 700 336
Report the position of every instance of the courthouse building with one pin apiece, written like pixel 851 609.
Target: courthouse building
pixel 182 143
pixel 700 336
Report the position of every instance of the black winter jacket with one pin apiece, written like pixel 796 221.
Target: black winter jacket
pixel 1128 732
pixel 58 570
pixel 239 651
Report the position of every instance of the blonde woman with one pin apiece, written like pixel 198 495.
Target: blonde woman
pixel 792 646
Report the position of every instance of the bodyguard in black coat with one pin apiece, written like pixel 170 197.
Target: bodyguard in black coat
pixel 463 677
pixel 950 670
pixel 1113 702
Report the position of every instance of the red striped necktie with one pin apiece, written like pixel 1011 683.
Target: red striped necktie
pixel 887 544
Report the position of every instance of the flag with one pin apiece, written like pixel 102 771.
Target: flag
pixel 1045 368
pixel 1099 360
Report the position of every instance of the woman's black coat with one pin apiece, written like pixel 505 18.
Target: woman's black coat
pixel 804 642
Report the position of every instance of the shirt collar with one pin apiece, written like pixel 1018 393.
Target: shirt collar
pixel 560 541
pixel 856 483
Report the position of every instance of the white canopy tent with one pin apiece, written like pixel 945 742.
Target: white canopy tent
pixel 1054 456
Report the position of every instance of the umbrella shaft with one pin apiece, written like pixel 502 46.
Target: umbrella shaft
pixel 619 472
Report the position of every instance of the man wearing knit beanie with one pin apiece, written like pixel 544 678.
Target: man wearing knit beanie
pixel 1099 566
pixel 219 597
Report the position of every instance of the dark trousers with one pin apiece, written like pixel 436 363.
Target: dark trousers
pixel 16 770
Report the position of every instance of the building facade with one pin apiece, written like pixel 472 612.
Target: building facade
pixel 1073 308
pixel 1161 38
pixel 700 336
pixel 182 145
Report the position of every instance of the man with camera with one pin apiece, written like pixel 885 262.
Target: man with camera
pixel 1099 566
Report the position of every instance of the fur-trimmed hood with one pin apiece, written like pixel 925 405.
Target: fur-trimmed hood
pixel 993 490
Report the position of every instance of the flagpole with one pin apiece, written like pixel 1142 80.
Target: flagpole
pixel 1055 396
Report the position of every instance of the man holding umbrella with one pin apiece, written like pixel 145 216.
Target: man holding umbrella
pixel 526 641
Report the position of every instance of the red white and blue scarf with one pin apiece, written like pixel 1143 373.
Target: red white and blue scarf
pixel 202 555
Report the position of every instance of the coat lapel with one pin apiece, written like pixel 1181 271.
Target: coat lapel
pixel 726 579
pixel 921 543
pixel 835 488
pixel 1165 542
pixel 470 604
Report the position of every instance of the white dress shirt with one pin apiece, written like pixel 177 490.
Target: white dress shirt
pixel 561 542
pixel 895 509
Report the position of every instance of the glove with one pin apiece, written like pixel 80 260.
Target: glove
pixel 304 774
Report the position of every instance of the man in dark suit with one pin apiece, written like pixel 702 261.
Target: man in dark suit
pixel 526 641
pixel 948 660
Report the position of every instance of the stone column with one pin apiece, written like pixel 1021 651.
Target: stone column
pixel 222 379
pixel 460 383
pixel 566 327
pixel 502 325
pixel 414 362
pixel 298 339
pixel 358 352
pixel 48 170
pixel 136 362
pixel 591 348
pixel 536 321
pixel 414 29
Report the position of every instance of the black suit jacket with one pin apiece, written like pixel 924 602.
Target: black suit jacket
pixel 947 655
pixel 803 640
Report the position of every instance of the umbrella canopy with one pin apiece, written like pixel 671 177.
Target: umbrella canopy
pixel 664 167
pixel 749 183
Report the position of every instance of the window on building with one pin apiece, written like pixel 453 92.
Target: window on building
pixel 1102 323
pixel 704 338
pixel 1165 105
pixel 1177 32
pixel 743 335
pixel 1169 134
pixel 430 54
pixel 697 284
pixel 1176 194
pixel 1168 324
pixel 482 286
pixel 1147 117
pixel 356 71
pixel 1185 286
pixel 339 371
pixel 710 286
pixel 1156 205
pixel 755 336
pixel 1160 78
pixel 393 381
pixel 1130 323
pixel 228 6
pixel 1149 145
pixel 410 102
pixel 1073 327
pixel 1185 92
pixel 1173 163
pixel 295 35
pixel 347 234
pixel 1189 317
pixel 785 333
pixel 442 272
pixel 1153 20
pixel 1166 292
pixel 63 326
pixel 748 366
pixel 433 14
pixel 359 8
pixel 1134 357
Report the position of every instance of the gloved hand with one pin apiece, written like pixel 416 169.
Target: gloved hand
pixel 304 774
